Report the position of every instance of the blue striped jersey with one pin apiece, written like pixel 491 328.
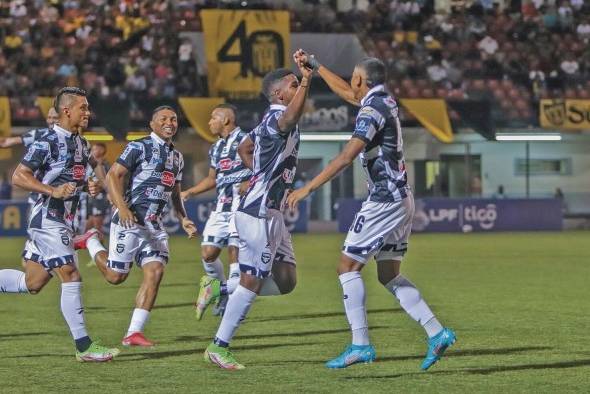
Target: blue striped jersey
pixel 229 170
pixel 377 123
pixel 154 169
pixel 28 138
pixel 57 157
pixel 275 163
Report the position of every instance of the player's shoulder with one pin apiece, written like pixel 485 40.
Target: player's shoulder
pixel 140 143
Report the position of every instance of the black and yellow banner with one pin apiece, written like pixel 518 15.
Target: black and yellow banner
pixel 433 115
pixel 241 47
pixel 565 114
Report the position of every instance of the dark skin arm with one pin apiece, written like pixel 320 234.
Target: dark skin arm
pixel 187 224
pixel 246 152
pixel 352 149
pixel 115 179
pixel 96 186
pixel 206 184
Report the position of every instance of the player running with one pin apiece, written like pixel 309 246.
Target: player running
pixel 383 225
pixel 137 233
pixel 266 258
pixel 60 156
pixel 229 175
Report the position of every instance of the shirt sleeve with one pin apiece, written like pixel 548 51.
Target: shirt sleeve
pixel 272 123
pixel 37 155
pixel 368 122
pixel 29 137
pixel 212 158
pixel 131 156
pixel 180 167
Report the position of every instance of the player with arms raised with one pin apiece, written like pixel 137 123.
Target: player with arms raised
pixel 383 225
pixel 228 174
pixel 137 233
pixel 59 157
pixel 266 258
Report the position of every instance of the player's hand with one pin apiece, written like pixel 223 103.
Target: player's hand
pixel 243 187
pixel 184 195
pixel 94 187
pixel 63 191
pixel 300 58
pixel 189 227
pixel 126 218
pixel 297 195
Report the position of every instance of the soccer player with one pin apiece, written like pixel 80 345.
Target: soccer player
pixel 154 169
pixel 382 227
pixel 98 205
pixel 60 156
pixel 266 258
pixel 229 175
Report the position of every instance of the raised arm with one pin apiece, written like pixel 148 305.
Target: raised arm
pixel 294 110
pixel 336 84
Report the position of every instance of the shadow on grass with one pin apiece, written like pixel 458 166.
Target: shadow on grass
pixel 485 371
pixel 191 338
pixel 24 334
pixel 320 315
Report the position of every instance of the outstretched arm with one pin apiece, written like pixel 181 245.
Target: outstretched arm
pixel 336 84
pixel 352 149
pixel 206 184
pixel 7 142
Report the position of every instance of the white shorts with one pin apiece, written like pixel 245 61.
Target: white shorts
pixel 51 247
pixel 137 243
pixel 220 230
pixel 380 229
pixel 263 242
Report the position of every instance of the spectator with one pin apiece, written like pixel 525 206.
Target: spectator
pixel 488 45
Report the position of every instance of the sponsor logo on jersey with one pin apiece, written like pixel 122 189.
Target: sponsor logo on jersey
pixel 154 193
pixel 168 178
pixel 226 164
pixel 78 172
pixel 225 199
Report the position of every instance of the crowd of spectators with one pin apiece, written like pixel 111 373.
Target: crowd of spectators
pixel 513 52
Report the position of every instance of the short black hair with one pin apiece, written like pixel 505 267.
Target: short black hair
pixel 231 107
pixel 271 79
pixel 67 91
pixel 162 108
pixel 375 70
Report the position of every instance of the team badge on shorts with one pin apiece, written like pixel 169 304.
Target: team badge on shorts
pixel 65 239
pixel 265 258
pixel 120 248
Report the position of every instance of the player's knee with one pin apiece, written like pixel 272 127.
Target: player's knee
pixel 116 278
pixel 287 286
pixel 154 272
pixel 209 254
pixel 34 289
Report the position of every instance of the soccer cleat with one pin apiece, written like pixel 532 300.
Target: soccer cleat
pixel 222 357
pixel 80 240
pixel 209 292
pixel 137 339
pixel 437 346
pixel 353 354
pixel 97 353
pixel 219 307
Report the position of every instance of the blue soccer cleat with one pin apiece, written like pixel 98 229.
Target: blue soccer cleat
pixel 437 346
pixel 352 355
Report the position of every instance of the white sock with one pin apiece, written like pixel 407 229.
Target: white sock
pixel 72 309
pixel 234 278
pixel 138 320
pixel 269 287
pixel 411 301
pixel 237 307
pixel 13 281
pixel 94 246
pixel 214 269
pixel 353 288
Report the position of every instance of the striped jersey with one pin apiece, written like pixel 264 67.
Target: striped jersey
pixel 28 138
pixel 377 123
pixel 275 163
pixel 229 170
pixel 154 169
pixel 57 157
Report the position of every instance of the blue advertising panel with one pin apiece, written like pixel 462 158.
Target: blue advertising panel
pixel 472 215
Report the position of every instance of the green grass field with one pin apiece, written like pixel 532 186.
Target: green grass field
pixel 518 302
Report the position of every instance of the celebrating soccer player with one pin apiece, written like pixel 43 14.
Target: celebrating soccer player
pixel 137 233
pixel 266 258
pixel 382 227
pixel 229 175
pixel 60 157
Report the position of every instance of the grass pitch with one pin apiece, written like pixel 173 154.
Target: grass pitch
pixel 518 302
